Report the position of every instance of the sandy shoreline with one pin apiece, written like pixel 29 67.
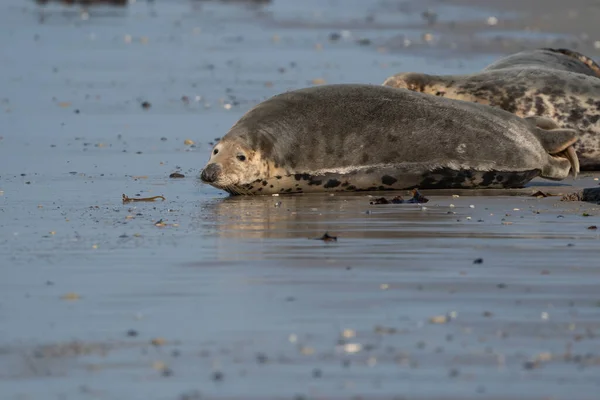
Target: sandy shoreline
pixel 473 295
pixel 556 25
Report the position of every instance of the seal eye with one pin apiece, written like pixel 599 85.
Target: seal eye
pixel 241 157
pixel 215 151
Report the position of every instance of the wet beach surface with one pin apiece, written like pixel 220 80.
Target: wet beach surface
pixel 472 295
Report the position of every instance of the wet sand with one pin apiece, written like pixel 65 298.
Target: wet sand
pixel 488 295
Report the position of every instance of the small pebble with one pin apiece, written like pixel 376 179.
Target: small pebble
pixel 158 341
pixel 261 358
pixel 492 21
pixel 529 365
pixel 217 376
pixel 438 319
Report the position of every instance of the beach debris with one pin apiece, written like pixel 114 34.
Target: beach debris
pixel 478 261
pixel 592 228
pixel 176 175
pixel 439 319
pixel 327 238
pixel 158 341
pixel 127 199
pixel 161 224
pixel 188 142
pixel 70 296
pixel 351 348
pixel 591 195
pixel 349 333
pixel 540 194
pixel 531 365
pixel 307 351
pixel 146 105
pixel 383 200
pixel 85 2
pixel 262 358
pixel 430 17
pixel 417 197
pixel 492 21
pixel 384 330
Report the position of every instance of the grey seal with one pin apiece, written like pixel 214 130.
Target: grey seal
pixel 559 84
pixel 353 137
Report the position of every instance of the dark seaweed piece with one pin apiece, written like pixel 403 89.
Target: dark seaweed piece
pixel 127 199
pixel 417 197
pixel 218 376
pixel 592 228
pixel 176 175
pixel 380 200
pixel 327 238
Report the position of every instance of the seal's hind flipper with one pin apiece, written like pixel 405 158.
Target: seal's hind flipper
pixel 559 143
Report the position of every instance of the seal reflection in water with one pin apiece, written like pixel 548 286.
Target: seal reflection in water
pixel 367 137
pixel 560 84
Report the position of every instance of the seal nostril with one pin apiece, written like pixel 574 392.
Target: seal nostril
pixel 210 173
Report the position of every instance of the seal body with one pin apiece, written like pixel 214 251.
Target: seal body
pixel 368 137
pixel 558 84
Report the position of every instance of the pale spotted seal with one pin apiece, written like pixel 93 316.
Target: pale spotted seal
pixel 555 83
pixel 353 137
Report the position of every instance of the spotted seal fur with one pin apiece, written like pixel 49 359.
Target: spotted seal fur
pixel 351 137
pixel 559 84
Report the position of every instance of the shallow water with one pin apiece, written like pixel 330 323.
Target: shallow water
pixel 249 305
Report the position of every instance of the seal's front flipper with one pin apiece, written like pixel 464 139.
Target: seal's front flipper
pixel 559 143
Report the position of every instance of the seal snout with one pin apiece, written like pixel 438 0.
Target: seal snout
pixel 210 173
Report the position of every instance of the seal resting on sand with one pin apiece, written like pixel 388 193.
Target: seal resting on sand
pixel 352 137
pixel 559 84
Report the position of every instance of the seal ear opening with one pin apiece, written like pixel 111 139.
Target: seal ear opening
pixel 559 143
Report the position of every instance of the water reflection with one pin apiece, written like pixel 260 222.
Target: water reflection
pixel 309 216
pixel 265 227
